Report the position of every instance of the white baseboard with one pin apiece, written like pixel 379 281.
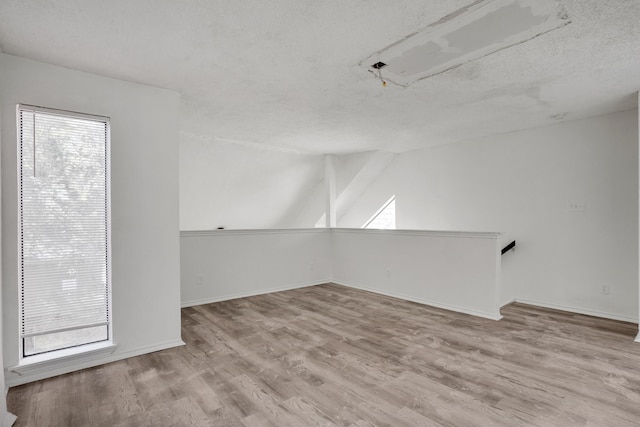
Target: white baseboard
pixel 491 316
pixel 8 419
pixel 637 337
pixel 507 302
pixel 228 297
pixel 13 378
pixel 578 310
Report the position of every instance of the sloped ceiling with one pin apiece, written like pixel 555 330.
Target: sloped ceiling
pixel 285 73
pixel 237 186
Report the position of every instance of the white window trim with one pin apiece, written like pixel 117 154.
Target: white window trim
pixel 68 356
pixel 72 354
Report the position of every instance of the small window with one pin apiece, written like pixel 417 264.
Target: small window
pixel 64 245
pixel 385 217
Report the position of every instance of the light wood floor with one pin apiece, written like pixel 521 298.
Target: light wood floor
pixel 329 355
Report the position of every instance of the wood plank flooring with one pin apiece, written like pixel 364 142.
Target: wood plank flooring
pixel 333 356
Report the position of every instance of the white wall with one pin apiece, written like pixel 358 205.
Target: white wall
pixel 452 270
pixel 457 271
pixel 354 173
pixel 222 265
pixel 241 186
pixel 144 193
pixel 6 419
pixel 520 184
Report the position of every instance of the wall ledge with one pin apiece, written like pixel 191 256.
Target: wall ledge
pixel 433 233
pixel 37 364
pixel 436 233
pixel 220 233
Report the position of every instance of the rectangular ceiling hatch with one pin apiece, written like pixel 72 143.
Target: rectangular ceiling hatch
pixel 484 28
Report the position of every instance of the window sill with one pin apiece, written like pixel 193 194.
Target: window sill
pixel 64 357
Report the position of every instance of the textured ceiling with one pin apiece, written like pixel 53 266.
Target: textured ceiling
pixel 285 73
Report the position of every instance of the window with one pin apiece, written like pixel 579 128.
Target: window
pixel 385 218
pixel 64 245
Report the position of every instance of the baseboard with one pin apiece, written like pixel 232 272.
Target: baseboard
pixel 579 310
pixel 228 297
pixel 507 302
pixel 13 379
pixel 449 307
pixel 8 419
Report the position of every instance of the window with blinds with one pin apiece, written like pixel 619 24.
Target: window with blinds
pixel 64 244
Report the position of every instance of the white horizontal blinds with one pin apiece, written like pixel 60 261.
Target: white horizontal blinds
pixel 63 230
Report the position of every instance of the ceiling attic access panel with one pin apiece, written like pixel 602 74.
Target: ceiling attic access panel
pixel 473 32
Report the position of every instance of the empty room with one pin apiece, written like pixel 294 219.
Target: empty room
pixel 320 213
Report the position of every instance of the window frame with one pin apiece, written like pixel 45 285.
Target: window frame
pixel 92 347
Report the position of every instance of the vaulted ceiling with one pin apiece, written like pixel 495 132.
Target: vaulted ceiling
pixel 288 73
